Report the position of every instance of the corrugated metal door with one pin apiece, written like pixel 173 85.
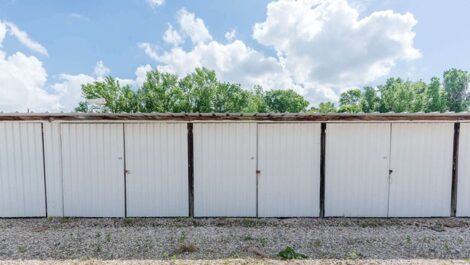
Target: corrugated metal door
pixel 22 192
pixel 157 166
pixel 289 165
pixel 225 169
pixel 356 169
pixel 421 161
pixel 463 189
pixel 93 169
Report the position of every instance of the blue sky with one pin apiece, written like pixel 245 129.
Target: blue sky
pixel 296 44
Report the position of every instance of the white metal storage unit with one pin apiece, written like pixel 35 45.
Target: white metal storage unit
pixel 93 169
pixel 421 164
pixel 22 191
pixel 225 169
pixel 289 169
pixel 357 164
pixel 157 169
pixel 78 161
pixel 463 189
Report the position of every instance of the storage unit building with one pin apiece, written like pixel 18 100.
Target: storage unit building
pixel 234 165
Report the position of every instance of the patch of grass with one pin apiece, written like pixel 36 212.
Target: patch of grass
pixel 249 222
pixel 408 239
pixel 98 248
pixel 21 249
pixel 317 243
pixel 289 253
pixel 98 234
pixel 108 237
pixel 182 237
pixel 354 255
pixel 128 221
pixel 187 248
pixel 65 220
pixel 263 242
pixel 248 238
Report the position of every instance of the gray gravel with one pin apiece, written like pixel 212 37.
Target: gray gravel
pixel 234 241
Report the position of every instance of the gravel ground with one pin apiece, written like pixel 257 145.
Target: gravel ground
pixel 234 241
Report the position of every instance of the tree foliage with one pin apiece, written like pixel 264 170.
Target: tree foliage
pixel 201 91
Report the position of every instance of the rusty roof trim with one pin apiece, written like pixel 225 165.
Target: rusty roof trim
pixel 319 117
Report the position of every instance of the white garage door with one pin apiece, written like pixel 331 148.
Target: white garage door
pixel 93 170
pixel 289 165
pixel 225 169
pixel 356 169
pixel 22 191
pixel 463 189
pixel 421 161
pixel 157 166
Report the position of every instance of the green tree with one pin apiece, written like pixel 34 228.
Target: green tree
pixel 396 96
pixel 370 101
pixel 349 101
pixel 436 97
pixel 161 93
pixel 199 88
pixel 456 88
pixel 419 100
pixel 285 101
pixel 118 98
pixel 324 107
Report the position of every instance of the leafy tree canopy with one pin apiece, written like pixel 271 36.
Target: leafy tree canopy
pixel 201 91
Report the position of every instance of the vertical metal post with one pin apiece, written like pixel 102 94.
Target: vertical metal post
pixel 455 171
pixel 125 168
pixel 190 170
pixel 322 169
pixel 44 165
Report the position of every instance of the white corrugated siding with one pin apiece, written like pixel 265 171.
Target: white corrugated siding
pixel 356 169
pixel 157 161
pixel 463 189
pixel 22 192
pixel 421 161
pixel 225 169
pixel 53 165
pixel 93 169
pixel 289 164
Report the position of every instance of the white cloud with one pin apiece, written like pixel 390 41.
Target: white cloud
pixel 101 70
pixel 322 48
pixel 172 36
pixel 22 80
pixel 69 89
pixel 141 74
pixel 193 27
pixel 155 3
pixel 23 38
pixel 324 42
pixel 230 35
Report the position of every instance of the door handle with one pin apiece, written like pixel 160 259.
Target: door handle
pixel 127 172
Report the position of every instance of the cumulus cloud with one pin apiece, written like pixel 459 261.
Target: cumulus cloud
pixel 22 80
pixel 322 48
pixel 193 27
pixel 172 36
pixel 101 70
pixel 325 42
pixel 230 35
pixel 22 37
pixel 155 3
